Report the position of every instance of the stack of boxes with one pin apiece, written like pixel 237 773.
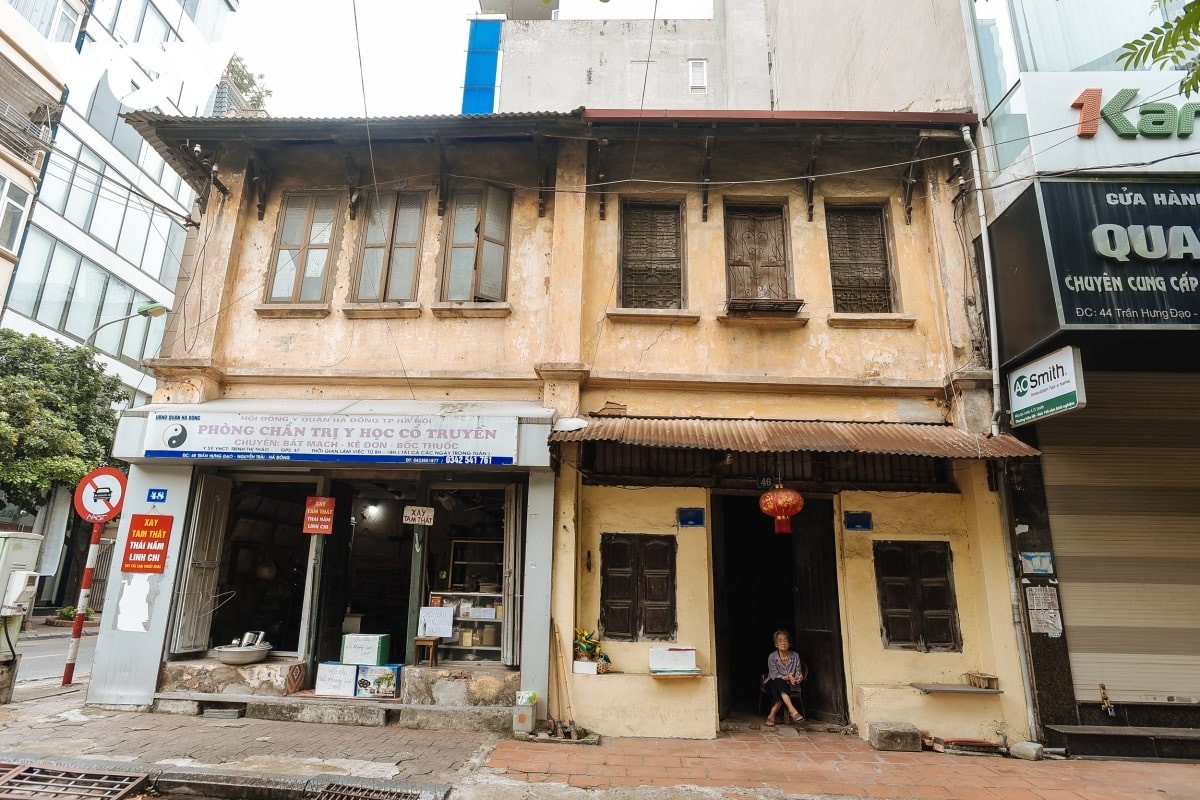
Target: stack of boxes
pixel 363 670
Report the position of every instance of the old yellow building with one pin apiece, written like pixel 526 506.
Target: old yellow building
pixel 589 342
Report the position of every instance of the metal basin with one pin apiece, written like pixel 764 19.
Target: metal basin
pixel 236 655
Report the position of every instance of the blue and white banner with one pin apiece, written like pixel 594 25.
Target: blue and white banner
pixel 363 439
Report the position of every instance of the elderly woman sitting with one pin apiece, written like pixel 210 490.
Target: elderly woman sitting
pixel 785 672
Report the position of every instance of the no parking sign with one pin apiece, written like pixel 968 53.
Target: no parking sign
pixel 99 495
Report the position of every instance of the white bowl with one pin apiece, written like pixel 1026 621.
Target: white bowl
pixel 237 655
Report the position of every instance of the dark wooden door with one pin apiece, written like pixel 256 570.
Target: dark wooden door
pixel 818 618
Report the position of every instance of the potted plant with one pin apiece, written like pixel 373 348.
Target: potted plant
pixel 589 654
pixel 66 616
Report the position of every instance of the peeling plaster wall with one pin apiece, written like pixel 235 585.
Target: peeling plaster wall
pixel 633 703
pixel 867 372
pixel 137 608
pixel 878 678
pixel 302 356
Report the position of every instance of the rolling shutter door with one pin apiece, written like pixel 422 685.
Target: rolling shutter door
pixel 1122 483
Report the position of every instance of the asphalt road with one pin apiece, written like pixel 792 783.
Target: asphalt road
pixel 45 658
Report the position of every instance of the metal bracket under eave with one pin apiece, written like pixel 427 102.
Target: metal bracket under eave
pixel 260 182
pixel 705 177
pixel 353 184
pixel 545 177
pixel 602 174
pixel 909 182
pixel 443 179
pixel 810 178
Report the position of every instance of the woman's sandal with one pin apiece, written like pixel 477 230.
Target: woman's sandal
pixel 797 718
pixel 770 723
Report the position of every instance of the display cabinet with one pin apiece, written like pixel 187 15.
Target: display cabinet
pixel 478 625
pixel 476 564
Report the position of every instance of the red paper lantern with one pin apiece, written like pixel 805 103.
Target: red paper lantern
pixel 782 504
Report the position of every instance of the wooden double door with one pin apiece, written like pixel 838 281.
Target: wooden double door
pixel 766 582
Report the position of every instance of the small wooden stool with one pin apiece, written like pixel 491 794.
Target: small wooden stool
pixel 429 644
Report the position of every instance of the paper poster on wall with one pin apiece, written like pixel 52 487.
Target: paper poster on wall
pixel 1037 564
pixel 432 621
pixel 146 547
pixel 318 515
pixel 1044 614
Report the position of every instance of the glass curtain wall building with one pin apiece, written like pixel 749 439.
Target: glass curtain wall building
pixel 105 233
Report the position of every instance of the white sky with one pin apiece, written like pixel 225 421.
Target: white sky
pixel 413 54
pixel 413 51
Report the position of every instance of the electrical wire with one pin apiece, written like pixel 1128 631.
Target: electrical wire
pixel 377 205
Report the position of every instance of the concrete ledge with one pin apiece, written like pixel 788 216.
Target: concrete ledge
pixel 332 713
pixel 496 719
pixel 190 708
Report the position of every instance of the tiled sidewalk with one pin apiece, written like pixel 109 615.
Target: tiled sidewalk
pixel 830 764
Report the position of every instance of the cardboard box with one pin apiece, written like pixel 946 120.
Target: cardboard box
pixel 672 658
pixel 336 680
pixel 372 649
pixel 379 681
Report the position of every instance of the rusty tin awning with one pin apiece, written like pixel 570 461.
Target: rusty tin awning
pixel 783 436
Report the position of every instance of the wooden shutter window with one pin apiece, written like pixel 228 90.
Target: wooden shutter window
pixel 756 253
pixel 916 596
pixel 858 261
pixel 618 586
pixel 637 587
pixel 651 256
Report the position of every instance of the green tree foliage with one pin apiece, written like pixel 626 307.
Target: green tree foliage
pixel 251 85
pixel 1172 45
pixel 56 416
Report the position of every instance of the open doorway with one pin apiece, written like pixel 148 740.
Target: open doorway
pixel 772 582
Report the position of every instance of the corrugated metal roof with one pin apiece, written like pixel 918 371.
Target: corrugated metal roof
pixel 781 436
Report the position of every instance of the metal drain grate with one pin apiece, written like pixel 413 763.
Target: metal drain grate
pixel 341 791
pixel 24 782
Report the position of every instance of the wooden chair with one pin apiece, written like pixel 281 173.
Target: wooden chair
pixel 795 692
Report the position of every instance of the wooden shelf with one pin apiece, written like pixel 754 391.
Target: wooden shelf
pixel 953 688
pixel 662 676
pixel 471 647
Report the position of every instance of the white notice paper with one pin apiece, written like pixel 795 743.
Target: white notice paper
pixel 436 621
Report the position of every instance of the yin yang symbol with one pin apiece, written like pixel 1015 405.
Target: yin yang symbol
pixel 175 435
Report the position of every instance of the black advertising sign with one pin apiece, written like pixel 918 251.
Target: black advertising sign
pixel 1125 254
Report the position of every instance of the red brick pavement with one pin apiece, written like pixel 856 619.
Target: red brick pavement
pixel 830 764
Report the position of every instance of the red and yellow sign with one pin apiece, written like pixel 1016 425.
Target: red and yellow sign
pixel 318 515
pixel 146 547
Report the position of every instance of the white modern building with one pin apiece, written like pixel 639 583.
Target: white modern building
pixel 728 55
pixel 106 231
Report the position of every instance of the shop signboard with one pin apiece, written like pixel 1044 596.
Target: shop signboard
pixel 1045 387
pixel 1115 121
pixel 418 515
pixel 361 439
pixel 1124 255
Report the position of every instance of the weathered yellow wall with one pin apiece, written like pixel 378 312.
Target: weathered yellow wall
pixel 878 678
pixel 632 703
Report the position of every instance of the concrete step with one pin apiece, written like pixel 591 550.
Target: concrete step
pixel 348 711
pixel 1126 741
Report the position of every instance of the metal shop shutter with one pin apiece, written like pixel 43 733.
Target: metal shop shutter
pixel 1122 481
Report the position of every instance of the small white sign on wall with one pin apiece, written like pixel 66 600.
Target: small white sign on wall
pixel 436 621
